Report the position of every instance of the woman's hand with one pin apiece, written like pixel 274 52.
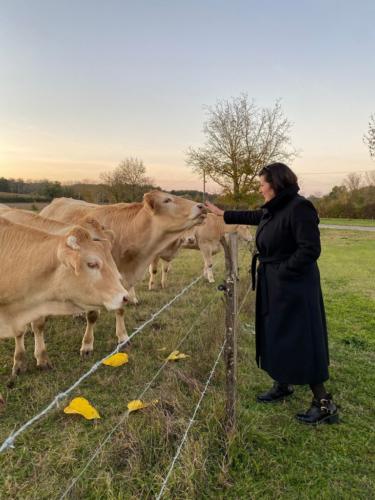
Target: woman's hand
pixel 214 209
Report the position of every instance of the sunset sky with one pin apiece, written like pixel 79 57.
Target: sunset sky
pixel 84 83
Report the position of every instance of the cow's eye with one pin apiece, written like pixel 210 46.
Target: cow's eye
pixel 92 265
pixel 167 200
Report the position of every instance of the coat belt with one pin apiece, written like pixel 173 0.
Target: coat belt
pixel 264 260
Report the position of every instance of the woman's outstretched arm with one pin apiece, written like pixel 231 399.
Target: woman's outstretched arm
pixel 246 217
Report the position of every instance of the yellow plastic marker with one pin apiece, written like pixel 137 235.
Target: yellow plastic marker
pixel 81 406
pixel 137 404
pixel 176 355
pixel 118 359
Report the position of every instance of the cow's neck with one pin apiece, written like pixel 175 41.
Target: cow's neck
pixel 138 237
pixel 135 261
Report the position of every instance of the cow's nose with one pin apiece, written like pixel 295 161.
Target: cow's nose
pixel 125 300
pixel 200 205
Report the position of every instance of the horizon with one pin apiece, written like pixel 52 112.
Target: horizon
pixel 155 185
pixel 85 86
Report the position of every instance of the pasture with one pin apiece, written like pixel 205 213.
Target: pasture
pixel 270 456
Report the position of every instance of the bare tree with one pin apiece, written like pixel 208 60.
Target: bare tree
pixel 369 139
pixel 370 178
pixel 240 139
pixel 128 181
pixel 353 182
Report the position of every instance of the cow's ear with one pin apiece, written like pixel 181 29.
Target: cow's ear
pixel 76 236
pixel 69 253
pixel 149 200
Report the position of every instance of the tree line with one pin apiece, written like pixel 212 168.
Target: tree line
pixel 19 190
pixel 353 199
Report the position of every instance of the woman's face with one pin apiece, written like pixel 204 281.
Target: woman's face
pixel 266 189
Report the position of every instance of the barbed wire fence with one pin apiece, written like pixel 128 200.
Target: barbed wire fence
pixel 228 346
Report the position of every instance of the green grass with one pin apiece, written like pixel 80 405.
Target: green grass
pixel 349 222
pixel 269 456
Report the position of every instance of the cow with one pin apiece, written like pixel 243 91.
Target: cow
pixel 97 232
pixel 46 274
pixel 205 238
pixel 141 231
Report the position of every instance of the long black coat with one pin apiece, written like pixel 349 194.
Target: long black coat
pixel 290 325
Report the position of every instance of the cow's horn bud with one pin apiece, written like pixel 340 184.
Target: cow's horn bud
pixel 72 242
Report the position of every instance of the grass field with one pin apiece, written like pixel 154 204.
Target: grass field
pixel 270 456
pixel 349 222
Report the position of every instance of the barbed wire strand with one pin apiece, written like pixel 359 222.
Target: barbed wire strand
pixel 126 414
pixel 9 441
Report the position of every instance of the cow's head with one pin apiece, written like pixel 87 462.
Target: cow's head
pixel 174 213
pixel 89 271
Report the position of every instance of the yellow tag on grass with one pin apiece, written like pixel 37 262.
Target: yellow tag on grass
pixel 137 404
pixel 81 406
pixel 176 355
pixel 118 359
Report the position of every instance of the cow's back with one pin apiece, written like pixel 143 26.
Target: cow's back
pixel 31 219
pixel 68 209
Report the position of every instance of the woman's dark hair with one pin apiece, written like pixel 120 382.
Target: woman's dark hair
pixel 280 176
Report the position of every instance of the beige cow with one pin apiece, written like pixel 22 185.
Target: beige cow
pixel 44 274
pixel 54 227
pixel 142 231
pixel 205 238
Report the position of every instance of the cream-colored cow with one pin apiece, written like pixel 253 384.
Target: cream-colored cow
pixel 142 231
pixel 52 226
pixel 205 238
pixel 45 274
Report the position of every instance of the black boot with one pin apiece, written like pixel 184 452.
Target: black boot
pixel 278 392
pixel 321 411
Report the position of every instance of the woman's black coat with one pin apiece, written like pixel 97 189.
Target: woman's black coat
pixel 291 333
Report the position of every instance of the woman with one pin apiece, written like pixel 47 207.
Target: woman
pixel 291 333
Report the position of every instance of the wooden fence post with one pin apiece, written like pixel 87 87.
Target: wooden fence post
pixel 230 351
